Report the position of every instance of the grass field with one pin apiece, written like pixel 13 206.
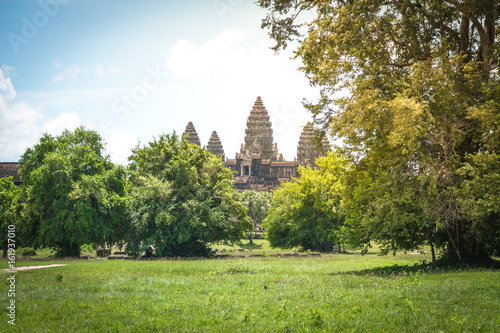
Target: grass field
pixel 333 293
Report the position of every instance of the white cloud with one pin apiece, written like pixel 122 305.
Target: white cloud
pixel 68 120
pixel 69 73
pixel 8 70
pixel 21 125
pixel 119 145
pixel 220 53
pixel 7 92
pixel 106 71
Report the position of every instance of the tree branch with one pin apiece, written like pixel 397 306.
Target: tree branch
pixel 469 14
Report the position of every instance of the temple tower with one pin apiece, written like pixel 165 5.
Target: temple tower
pixel 306 150
pixel 191 134
pixel 326 145
pixel 215 146
pixel 259 134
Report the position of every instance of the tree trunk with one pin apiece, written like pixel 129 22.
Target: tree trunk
pixel 487 39
pixel 453 246
pixel 433 252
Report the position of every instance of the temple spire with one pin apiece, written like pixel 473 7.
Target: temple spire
pixel 215 145
pixel 259 134
pixel 191 134
pixel 307 153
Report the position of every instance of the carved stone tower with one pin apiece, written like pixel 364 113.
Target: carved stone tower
pixel 306 150
pixel 259 134
pixel 215 146
pixel 326 145
pixel 192 135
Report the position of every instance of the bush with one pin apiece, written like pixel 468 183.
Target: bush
pixel 29 251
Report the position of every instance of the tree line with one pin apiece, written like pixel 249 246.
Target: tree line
pixel 174 196
pixel 410 88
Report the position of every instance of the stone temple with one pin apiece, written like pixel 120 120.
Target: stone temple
pixel 259 166
pixel 191 134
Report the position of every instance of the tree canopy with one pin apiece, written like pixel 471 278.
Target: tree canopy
pixel 72 194
pixel 183 199
pixel 412 88
pixel 306 212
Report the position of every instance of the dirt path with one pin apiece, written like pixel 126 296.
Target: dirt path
pixel 25 268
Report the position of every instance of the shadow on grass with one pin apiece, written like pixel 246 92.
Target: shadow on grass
pixel 250 246
pixel 397 271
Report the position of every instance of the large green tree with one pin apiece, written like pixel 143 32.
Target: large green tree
pixel 72 194
pixel 306 212
pixel 412 88
pixel 183 199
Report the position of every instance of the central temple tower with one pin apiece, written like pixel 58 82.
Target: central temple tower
pixel 259 134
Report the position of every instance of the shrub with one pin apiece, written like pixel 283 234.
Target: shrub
pixel 29 251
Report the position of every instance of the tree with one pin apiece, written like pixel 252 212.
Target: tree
pixel 183 199
pixel 419 114
pixel 257 204
pixel 9 196
pixel 307 212
pixel 72 194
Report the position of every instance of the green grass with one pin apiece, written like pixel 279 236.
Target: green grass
pixel 344 293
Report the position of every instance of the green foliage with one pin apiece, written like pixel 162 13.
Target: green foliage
pixel 86 248
pixel 183 200
pixel 480 196
pixel 9 196
pixel 412 186
pixel 419 115
pixel 238 267
pixel 306 212
pixel 257 204
pixel 28 251
pixel 72 194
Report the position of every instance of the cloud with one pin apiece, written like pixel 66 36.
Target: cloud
pixel 106 71
pixel 69 73
pixel 231 55
pixel 119 145
pixel 21 125
pixel 67 120
pixel 222 52
pixel 7 92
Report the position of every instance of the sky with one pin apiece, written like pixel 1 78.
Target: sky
pixel 133 70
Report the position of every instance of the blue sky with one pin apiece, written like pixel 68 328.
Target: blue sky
pixel 135 69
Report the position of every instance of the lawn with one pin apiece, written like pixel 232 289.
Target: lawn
pixel 344 293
